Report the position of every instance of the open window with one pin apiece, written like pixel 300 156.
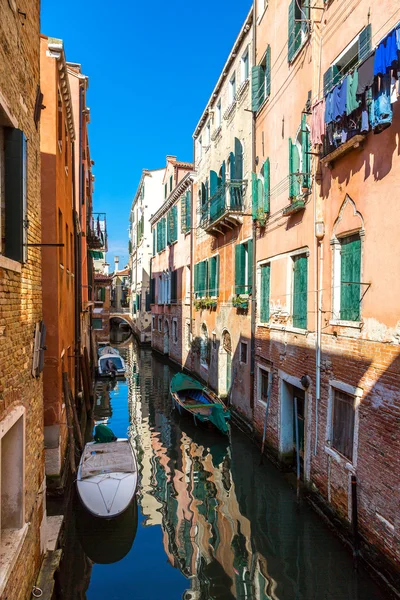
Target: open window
pixel 298 26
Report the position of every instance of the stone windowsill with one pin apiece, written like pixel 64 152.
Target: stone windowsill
pixel 286 328
pixel 12 541
pixel 216 133
pixel 9 264
pixel 341 460
pixel 229 110
pixel 340 323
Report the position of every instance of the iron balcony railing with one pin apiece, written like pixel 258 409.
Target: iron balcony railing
pixel 97 232
pixel 228 199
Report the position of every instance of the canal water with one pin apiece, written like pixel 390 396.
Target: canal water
pixel 210 522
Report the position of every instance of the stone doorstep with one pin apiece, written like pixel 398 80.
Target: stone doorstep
pixel 45 581
pixel 53 529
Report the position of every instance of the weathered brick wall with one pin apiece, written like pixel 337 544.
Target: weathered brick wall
pixel 374 368
pixel 20 293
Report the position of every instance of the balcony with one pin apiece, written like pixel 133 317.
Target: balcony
pixel 97 232
pixel 225 208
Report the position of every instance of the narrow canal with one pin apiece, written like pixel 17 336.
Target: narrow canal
pixel 210 521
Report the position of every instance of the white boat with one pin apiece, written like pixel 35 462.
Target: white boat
pixel 107 350
pixel 111 365
pixel 107 477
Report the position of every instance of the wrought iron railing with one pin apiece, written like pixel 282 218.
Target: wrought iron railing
pixel 229 198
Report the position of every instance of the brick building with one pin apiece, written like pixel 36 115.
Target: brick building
pixel 57 135
pixel 223 242
pixel 22 474
pixel 170 265
pixel 327 325
pixel 146 202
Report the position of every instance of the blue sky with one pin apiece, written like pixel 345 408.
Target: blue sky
pixel 151 67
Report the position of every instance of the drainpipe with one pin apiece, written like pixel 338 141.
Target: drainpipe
pixel 254 290
pixel 318 261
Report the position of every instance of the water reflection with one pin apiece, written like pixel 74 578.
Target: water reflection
pixel 229 527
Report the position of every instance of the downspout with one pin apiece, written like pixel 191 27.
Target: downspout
pixel 319 256
pixel 77 285
pixel 254 290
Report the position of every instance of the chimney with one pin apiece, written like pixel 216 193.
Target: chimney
pixel 116 263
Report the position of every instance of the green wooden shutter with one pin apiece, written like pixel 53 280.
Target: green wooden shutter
pixel 170 184
pixel 196 280
pixel 169 227
pixel 213 183
pixel 260 194
pixel 238 160
pixel 154 242
pixel 328 80
pixel 364 43
pixel 202 278
pixel 231 165
pixel 175 223
pixel 188 210
pixel 267 186
pixel 265 293
pixel 217 275
pixel 254 195
pixel 294 163
pixel 350 275
pixel 240 269
pixel 249 289
pixel 183 212
pixel 15 185
pixel 257 83
pixel 268 71
pixel 212 284
pixel 305 151
pixel 292 30
pixel 300 292
pixel 103 294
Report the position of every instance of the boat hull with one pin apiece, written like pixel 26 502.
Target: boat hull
pixel 106 494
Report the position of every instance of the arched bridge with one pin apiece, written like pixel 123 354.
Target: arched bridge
pixel 121 315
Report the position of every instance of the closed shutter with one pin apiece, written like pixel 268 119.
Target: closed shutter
pixel 138 297
pixel 217 275
pixel 249 289
pixel 183 212
pixel 102 294
pixel 188 210
pixel 202 278
pixel 169 227
pixel 267 186
pixel 174 223
pixel 265 293
pixel 231 165
pixel 152 291
pixel 350 275
pixel 163 231
pixel 15 182
pixel 364 43
pixel 213 183
pixel 254 196
pixel 174 286
pixel 257 86
pixel 147 301
pixel 300 292
pixel 305 150
pixel 212 284
pixel 268 71
pixel 154 242
pixel 292 30
pixel 196 279
pixel 240 269
pixel 238 160
pixel 294 186
pixel 328 81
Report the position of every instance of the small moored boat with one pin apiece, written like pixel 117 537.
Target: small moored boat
pixel 107 477
pixel 110 364
pixel 192 397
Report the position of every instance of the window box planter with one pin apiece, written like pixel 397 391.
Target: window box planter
pixel 261 217
pixel 240 302
pixel 294 207
pixel 205 303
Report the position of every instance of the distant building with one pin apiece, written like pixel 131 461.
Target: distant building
pixel 148 198
pixel 57 135
pixel 223 240
pixel 170 298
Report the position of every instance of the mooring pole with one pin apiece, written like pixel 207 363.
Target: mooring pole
pixel 354 520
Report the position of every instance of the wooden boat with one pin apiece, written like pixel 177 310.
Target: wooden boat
pixel 192 397
pixel 110 364
pixel 107 477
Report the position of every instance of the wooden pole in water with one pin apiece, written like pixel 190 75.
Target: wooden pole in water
pixel 266 412
pixel 86 385
pixel 76 420
pixel 354 519
pixel 69 424
pixel 89 375
pixel 296 427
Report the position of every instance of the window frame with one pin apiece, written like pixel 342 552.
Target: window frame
pixel 243 347
pixel 336 245
pixel 245 66
pixel 175 330
pixel 232 89
pixel 160 324
pixel 261 370
pixel 357 393
pixel 218 114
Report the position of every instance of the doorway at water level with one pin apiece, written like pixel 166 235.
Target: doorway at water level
pixel 293 430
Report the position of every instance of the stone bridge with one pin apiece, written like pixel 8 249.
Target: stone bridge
pixel 122 316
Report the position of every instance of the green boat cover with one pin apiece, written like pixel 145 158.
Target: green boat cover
pixel 181 381
pixel 218 418
pixel 103 434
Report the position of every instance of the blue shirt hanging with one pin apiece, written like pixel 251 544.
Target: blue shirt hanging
pixel 386 55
